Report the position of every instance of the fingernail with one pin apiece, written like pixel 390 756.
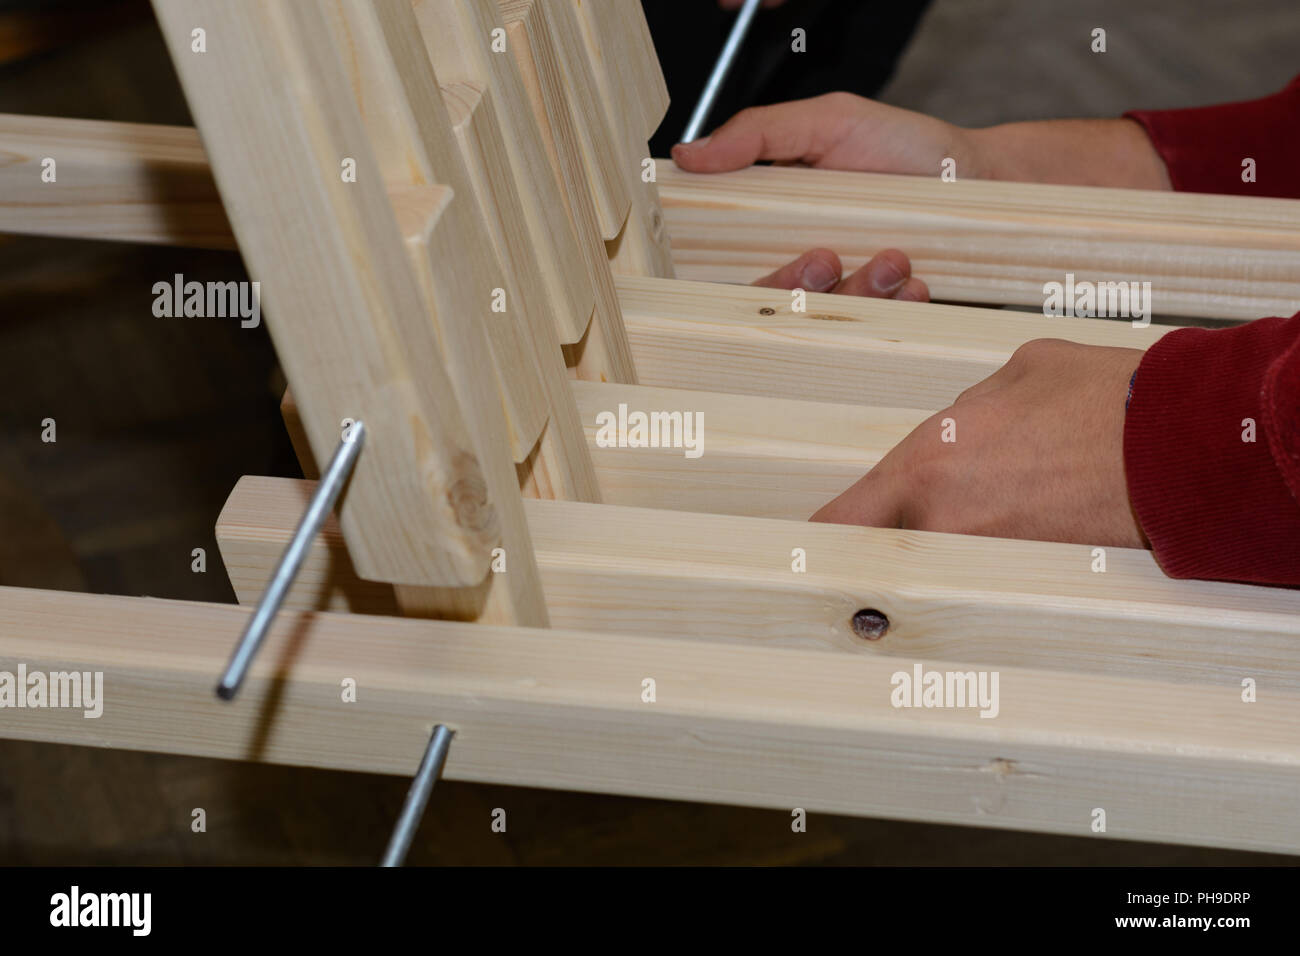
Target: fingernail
pixel 886 276
pixel 697 143
pixel 817 276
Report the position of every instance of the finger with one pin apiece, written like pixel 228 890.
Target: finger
pixel 913 290
pixel 815 271
pixel 780 131
pixel 875 500
pixel 881 278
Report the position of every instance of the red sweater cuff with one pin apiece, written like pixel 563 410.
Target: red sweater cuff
pixel 1203 148
pixel 1213 503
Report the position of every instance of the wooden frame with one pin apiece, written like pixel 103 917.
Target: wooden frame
pixel 479 172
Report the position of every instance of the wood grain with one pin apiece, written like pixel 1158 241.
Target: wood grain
pixel 750 341
pixel 742 725
pixel 127 182
pixel 979 601
pixel 1229 257
pixel 344 307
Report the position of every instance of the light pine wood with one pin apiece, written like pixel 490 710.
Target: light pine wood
pixel 750 341
pixel 603 355
pixel 625 64
pixel 343 305
pixel 121 181
pixel 979 601
pixel 447 280
pixel 554 35
pixel 762 457
pixel 750 726
pixel 540 243
pixel 1229 257
pixel 635 98
pixel 558 466
pixel 765 457
pixel 404 114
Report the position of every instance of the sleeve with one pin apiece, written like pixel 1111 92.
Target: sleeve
pixel 1212 452
pixel 1204 148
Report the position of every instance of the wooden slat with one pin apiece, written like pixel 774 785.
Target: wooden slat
pixel 762 457
pixel 634 96
pixel 540 242
pixel 448 279
pixel 121 181
pixel 766 457
pixel 980 601
pixel 625 63
pixel 750 726
pixel 560 57
pixel 749 341
pixel 344 308
pixel 397 94
pixel 1228 257
pixel 559 465
pixel 603 355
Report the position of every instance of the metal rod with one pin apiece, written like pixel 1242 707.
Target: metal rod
pixel 327 492
pixel 720 70
pixel 417 798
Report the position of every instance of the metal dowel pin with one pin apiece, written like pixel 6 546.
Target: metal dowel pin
pixel 322 502
pixel 417 797
pixel 720 70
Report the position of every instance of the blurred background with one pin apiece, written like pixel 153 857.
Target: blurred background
pixel 157 420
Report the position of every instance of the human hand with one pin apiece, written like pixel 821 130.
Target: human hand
pixel 1038 453
pixel 887 276
pixel 833 131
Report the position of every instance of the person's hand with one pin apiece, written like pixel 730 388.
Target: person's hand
pixel 887 276
pixel 833 131
pixel 1038 453
pixel 843 131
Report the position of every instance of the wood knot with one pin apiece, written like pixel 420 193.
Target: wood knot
pixel 870 624
pixel 468 498
pixel 766 311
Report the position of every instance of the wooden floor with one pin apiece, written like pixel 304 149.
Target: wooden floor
pixel 156 419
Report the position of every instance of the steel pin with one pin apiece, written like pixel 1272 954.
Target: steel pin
pixel 417 797
pixel 282 578
pixel 720 70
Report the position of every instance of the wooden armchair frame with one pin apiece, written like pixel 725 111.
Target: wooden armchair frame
pixel 477 264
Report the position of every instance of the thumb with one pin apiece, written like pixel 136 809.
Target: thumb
pixel 783 131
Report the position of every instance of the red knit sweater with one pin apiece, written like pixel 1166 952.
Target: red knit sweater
pixel 1212 434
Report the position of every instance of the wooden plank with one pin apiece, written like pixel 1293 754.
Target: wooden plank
pixel 979 601
pixel 559 465
pixel 127 182
pixel 847 349
pixel 512 592
pixel 766 457
pixel 345 310
pixel 761 457
pixel 554 35
pixel 750 726
pixel 603 355
pixel 626 66
pixel 398 98
pixel 632 90
pixel 458 35
pixel 1228 257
